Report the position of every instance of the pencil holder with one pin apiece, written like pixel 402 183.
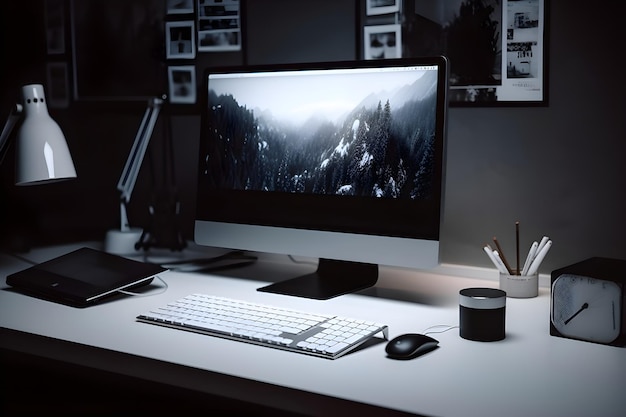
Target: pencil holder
pixel 520 286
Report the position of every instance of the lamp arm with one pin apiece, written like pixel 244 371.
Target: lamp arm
pixel 124 225
pixel 129 175
pixel 8 128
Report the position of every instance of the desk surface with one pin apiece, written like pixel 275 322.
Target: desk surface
pixel 527 373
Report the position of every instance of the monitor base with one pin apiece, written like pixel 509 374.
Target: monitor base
pixel 332 278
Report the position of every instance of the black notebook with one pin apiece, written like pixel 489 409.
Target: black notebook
pixel 83 277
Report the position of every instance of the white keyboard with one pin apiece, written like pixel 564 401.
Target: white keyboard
pixel 324 336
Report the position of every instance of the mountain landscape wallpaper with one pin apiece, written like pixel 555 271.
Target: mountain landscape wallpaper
pixel 365 136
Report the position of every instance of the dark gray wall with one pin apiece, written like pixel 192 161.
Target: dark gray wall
pixel 285 31
pixel 559 170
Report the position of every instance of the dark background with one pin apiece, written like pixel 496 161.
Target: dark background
pixel 559 169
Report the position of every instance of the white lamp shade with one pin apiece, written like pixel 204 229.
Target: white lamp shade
pixel 42 152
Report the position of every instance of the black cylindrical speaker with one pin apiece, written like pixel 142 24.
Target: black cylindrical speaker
pixel 482 313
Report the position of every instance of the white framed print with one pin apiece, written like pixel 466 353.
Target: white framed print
pixel 55 26
pixel 179 6
pixel 219 25
pixel 180 40
pixel 382 41
pixel 375 7
pixel 181 80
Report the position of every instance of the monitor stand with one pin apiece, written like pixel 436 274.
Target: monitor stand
pixel 332 278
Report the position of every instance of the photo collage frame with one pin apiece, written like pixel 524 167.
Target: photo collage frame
pixel 497 49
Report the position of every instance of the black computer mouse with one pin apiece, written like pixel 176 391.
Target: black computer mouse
pixel 410 345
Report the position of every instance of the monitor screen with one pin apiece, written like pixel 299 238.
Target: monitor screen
pixel 340 161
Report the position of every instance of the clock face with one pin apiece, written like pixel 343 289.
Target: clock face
pixel 586 308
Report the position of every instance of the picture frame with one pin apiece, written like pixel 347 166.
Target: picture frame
pixel 519 76
pixel 182 84
pixel 382 41
pixel 179 6
pixel 180 40
pixel 376 7
pixel 497 49
pixel 526 52
pixel 219 25
pixel 55 26
pixel 134 57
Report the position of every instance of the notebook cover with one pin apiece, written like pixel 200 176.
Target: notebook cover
pixel 83 277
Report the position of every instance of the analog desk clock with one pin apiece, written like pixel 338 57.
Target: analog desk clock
pixel 587 301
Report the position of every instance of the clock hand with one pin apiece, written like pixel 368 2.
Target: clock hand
pixel 583 307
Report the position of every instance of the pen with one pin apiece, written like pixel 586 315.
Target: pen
pixel 529 258
pixel 502 257
pixel 501 266
pixel 542 243
pixel 491 256
pixel 517 270
pixel 539 258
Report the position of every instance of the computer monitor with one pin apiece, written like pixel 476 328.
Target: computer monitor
pixel 341 161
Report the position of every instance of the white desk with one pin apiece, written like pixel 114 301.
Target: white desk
pixel 530 373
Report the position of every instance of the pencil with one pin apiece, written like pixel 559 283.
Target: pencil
pixel 517 246
pixel 506 263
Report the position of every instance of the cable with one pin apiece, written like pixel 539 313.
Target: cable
pixel 232 259
pixel 136 294
pixel 447 327
pixel 296 261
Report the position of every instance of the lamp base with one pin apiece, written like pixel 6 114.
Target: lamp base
pixel 122 242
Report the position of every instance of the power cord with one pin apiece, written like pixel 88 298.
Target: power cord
pixel 136 294
pixel 445 328
pixel 297 261
pixel 232 259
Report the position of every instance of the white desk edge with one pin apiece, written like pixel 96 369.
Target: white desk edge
pixel 527 373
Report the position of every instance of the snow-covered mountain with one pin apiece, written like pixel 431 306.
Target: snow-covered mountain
pixel 382 148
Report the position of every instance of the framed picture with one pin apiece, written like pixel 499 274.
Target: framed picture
pixel 497 48
pixel 382 41
pixel 180 40
pixel 375 7
pixel 182 84
pixel 55 26
pixel 117 50
pixel 219 25
pixel 525 78
pixel 179 6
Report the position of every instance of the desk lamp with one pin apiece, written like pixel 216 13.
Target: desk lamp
pixel 125 240
pixel 42 153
